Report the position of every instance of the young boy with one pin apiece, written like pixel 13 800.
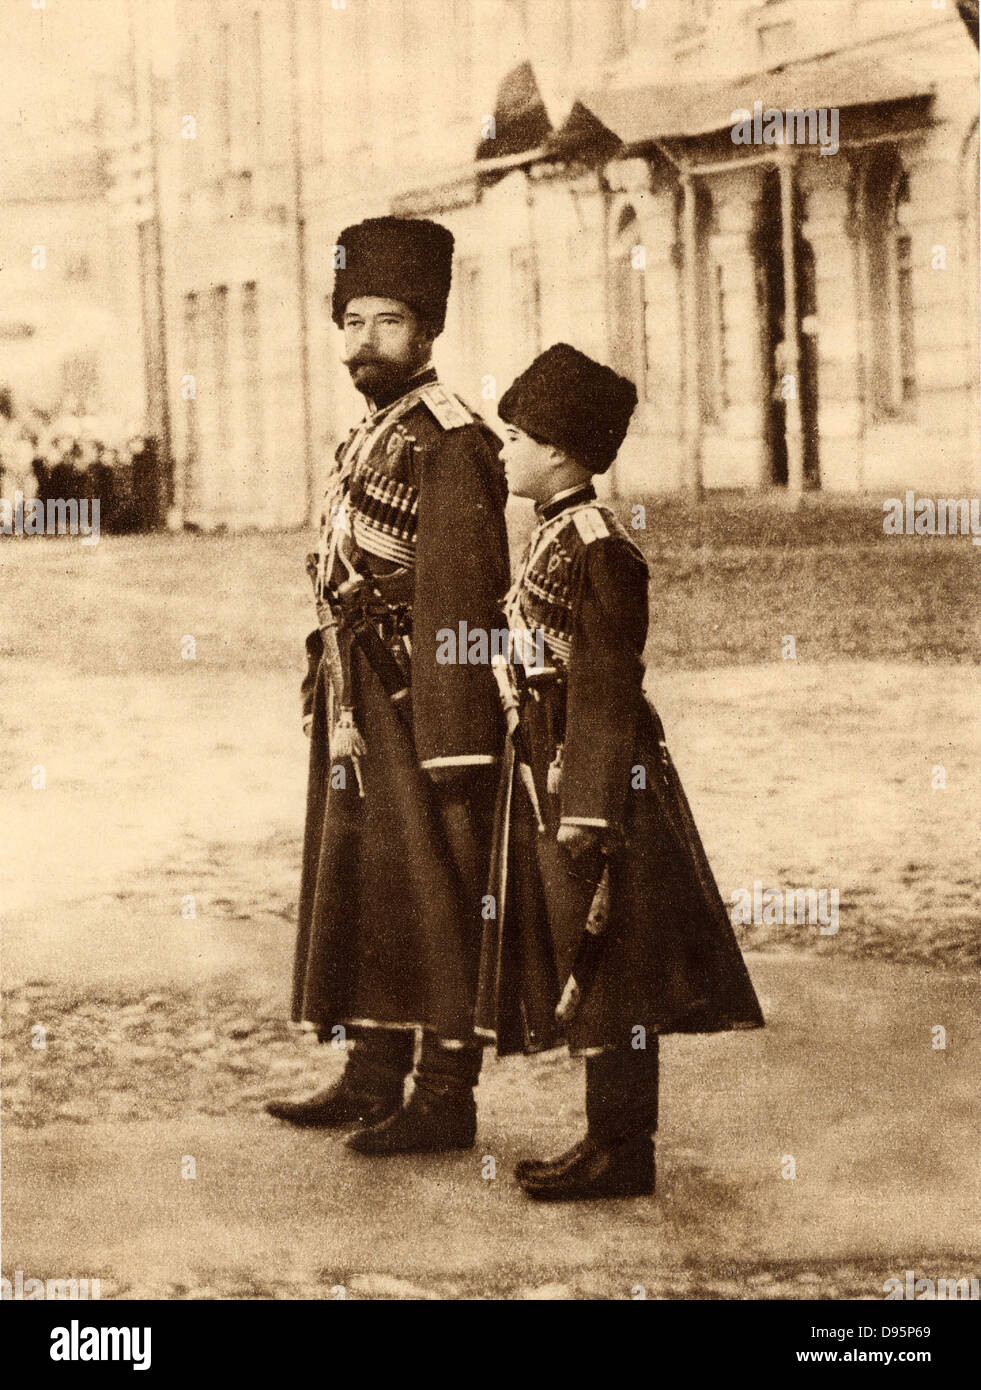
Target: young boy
pixel 609 929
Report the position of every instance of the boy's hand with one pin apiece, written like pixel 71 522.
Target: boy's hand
pixel 307 724
pixel 580 841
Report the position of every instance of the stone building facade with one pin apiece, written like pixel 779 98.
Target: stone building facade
pixel 70 322
pixel 793 319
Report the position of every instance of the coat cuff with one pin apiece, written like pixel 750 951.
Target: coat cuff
pixel 459 760
pixel 586 820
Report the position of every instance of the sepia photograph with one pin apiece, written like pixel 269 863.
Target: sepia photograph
pixel 490 697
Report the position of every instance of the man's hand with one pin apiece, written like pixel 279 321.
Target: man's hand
pixel 307 724
pixel 580 841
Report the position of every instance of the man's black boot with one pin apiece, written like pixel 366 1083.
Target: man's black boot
pixel 337 1107
pixel 370 1089
pixel 590 1169
pixel 441 1112
pixel 616 1159
pixel 427 1123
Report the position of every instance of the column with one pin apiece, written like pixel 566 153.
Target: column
pixel 943 440
pixel 791 320
pixel 666 341
pixel 829 229
pixel 693 407
pixel 739 458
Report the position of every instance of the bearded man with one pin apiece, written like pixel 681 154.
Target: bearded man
pixel 403 745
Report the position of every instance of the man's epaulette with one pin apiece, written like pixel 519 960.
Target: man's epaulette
pixel 450 412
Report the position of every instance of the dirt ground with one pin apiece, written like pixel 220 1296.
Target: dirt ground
pixel 167 779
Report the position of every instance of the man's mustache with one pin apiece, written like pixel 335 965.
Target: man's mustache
pixel 367 362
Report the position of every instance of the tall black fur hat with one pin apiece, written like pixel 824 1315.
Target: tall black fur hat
pixel 405 258
pixel 566 399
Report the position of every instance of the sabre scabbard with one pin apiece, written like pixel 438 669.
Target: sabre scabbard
pixel 510 696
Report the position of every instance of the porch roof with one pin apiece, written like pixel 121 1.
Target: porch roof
pixel 640 114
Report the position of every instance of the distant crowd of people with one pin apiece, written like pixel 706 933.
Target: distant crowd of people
pixel 73 453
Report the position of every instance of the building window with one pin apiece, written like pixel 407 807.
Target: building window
pixel 191 90
pixel 252 391
pixel 583 295
pixel 890 289
pixel 223 91
pixel 566 45
pixel 252 92
pixel 622 26
pixel 462 21
pixel 697 14
pixel 356 102
pixel 526 298
pixel 78 266
pixel 192 438
pixel 314 40
pixel 776 41
pixel 409 97
pixel 469 317
pixel 80 379
pixel 628 302
pixel 971 224
pixel 219 347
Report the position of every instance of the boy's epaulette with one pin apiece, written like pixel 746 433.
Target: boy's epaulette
pixel 590 523
pixel 596 521
pixel 450 412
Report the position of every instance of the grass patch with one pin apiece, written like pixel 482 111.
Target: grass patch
pixel 728 582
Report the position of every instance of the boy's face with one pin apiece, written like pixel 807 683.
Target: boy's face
pixel 528 465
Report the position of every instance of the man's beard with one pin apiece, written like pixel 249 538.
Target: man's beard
pixel 377 377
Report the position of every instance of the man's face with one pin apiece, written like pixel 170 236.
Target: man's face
pixel 528 465
pixel 385 342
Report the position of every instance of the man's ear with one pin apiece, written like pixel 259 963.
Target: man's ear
pixel 424 328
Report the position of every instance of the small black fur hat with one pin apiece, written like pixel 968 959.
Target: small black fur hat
pixel 566 399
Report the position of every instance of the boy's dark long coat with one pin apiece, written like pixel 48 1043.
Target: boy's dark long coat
pixel 668 960
pixel 389 925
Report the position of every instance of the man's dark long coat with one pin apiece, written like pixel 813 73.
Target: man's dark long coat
pixel 668 960
pixel 389 924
